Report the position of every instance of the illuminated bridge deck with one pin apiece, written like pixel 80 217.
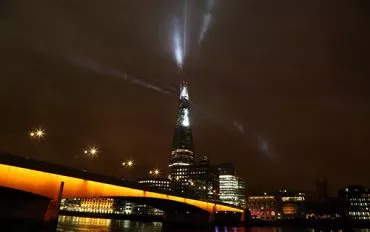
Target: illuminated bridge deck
pixel 44 179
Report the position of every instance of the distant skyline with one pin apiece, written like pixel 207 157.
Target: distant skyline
pixel 279 88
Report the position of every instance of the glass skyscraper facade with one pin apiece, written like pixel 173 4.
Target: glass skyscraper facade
pixel 182 154
pixel 232 190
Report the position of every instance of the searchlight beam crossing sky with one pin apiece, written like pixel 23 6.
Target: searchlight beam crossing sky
pixel 207 19
pixel 98 68
pixel 177 48
pixel 180 30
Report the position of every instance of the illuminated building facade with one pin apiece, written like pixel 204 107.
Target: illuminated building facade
pixel 90 205
pixel 232 189
pixel 182 154
pixel 291 204
pixel 356 202
pixel 204 180
pixel 263 207
pixel 157 183
pixel 107 206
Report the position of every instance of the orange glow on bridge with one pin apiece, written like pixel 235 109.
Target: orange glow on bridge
pixel 47 184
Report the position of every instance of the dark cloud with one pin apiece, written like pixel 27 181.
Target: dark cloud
pixel 280 88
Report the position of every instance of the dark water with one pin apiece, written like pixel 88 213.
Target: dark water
pixel 81 224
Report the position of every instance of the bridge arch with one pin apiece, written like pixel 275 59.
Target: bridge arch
pixel 47 184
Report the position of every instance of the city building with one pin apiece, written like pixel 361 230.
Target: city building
pixel 90 205
pixel 204 180
pixel 182 153
pixel 160 184
pixel 142 209
pixel 71 204
pixel 232 189
pixel 225 168
pixel 263 207
pixel 291 205
pixel 107 206
pixel 356 202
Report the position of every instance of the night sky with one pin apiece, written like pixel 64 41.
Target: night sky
pixel 280 88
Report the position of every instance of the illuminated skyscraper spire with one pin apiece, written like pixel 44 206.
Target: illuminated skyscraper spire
pixel 182 154
pixel 183 138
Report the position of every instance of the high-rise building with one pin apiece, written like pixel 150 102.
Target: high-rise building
pixel 204 180
pixel 182 153
pixel 356 202
pixel 232 189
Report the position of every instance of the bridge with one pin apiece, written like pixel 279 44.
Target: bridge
pixel 53 182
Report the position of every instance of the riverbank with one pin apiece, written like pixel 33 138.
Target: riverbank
pixel 316 224
pixel 291 223
pixel 143 218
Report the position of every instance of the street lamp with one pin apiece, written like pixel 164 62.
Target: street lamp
pixel 91 152
pixel 128 164
pixel 37 133
pixel 154 172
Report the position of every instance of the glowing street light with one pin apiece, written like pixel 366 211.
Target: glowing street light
pixel 91 152
pixel 154 172
pixel 128 164
pixel 38 133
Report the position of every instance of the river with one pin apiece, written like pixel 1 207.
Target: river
pixel 82 224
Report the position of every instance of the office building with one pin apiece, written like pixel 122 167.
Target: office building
pixel 232 190
pixel 204 180
pixel 356 203
pixel 160 184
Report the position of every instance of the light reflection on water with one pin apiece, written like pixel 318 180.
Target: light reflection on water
pixel 82 224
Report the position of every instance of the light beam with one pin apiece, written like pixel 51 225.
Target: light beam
pixel 207 19
pixel 185 27
pixel 177 45
pixel 98 68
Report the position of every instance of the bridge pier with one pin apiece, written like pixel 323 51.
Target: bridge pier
pixel 52 212
pixel 227 218
pixel 212 215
